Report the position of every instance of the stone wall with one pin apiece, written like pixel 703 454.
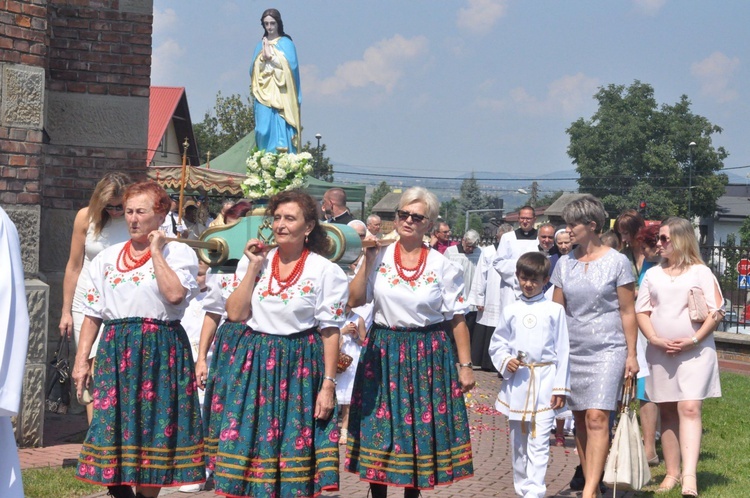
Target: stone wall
pixel 74 88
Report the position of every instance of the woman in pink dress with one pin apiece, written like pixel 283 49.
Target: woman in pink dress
pixel 681 354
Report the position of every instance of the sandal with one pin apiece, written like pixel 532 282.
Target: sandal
pixel 653 462
pixel 559 440
pixel 689 491
pixel 668 484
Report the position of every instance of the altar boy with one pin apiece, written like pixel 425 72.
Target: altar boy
pixel 530 350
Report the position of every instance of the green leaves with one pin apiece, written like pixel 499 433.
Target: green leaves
pixel 632 150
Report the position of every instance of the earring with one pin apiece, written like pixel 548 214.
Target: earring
pixel 305 239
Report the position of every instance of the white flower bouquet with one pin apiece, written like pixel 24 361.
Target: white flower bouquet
pixel 270 173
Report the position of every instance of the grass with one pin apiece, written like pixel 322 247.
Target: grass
pixel 724 465
pixel 59 482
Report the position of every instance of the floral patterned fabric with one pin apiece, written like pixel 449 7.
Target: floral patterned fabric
pixel 225 345
pixel 146 428
pixel 269 443
pixel 408 424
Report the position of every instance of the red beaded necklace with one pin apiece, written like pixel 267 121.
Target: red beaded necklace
pixel 417 270
pixel 293 277
pixel 125 260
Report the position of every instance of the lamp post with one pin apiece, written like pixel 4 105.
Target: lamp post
pixel 691 147
pixel 318 136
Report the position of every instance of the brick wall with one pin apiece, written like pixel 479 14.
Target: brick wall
pixel 100 55
pixel 23 43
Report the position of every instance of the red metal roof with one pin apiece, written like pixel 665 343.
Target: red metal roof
pixel 161 107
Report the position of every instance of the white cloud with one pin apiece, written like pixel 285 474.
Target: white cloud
pixel 165 20
pixel 382 65
pixel 164 63
pixel 480 16
pixel 566 96
pixel 714 74
pixel 649 7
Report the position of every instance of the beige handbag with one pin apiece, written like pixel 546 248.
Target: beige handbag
pixel 697 307
pixel 627 465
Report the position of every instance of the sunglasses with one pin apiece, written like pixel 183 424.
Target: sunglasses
pixel 404 215
pixel 110 207
pixel 664 239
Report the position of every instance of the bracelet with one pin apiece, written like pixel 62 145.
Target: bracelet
pixel 331 379
pixel 463 365
pixel 695 341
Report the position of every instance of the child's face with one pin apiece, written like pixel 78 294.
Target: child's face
pixel 531 286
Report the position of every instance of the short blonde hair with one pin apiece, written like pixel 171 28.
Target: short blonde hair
pixel 421 194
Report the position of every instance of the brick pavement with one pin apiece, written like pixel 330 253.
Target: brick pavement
pixel 493 474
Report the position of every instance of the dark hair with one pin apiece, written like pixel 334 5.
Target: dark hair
pixel 527 208
pixel 276 17
pixel 317 241
pixel 632 222
pixel 533 265
pixel 161 199
pixel 238 211
pixel 648 236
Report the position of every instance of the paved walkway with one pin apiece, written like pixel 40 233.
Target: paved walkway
pixel 493 474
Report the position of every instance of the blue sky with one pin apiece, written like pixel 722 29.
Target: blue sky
pixel 440 88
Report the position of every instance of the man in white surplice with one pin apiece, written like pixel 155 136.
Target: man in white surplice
pixel 14 338
pixel 512 246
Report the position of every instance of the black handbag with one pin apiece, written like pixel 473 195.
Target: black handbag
pixel 58 379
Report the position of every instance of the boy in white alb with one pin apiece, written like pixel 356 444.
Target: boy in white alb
pixel 530 350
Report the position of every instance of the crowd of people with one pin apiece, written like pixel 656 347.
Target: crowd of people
pixel 255 378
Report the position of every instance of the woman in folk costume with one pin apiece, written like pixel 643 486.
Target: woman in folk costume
pixel 681 353
pixel 274 80
pixel 277 430
pixel 146 430
pixel 408 425
pixel 14 338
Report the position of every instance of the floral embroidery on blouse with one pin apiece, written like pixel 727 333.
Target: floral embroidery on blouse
pixel 389 273
pixel 92 296
pixel 301 288
pixel 114 278
pixel 337 311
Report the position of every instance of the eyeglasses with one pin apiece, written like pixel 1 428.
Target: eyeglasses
pixel 664 239
pixel 110 207
pixel 444 231
pixel 404 215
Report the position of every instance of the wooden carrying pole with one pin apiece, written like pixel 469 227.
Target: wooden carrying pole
pixel 183 179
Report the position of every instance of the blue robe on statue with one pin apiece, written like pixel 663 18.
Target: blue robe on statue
pixel 277 98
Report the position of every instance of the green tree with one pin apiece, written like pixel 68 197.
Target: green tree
pixel 634 150
pixel 229 122
pixel 322 166
pixel 744 232
pixel 380 191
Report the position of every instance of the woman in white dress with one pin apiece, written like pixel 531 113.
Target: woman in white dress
pixel 681 353
pixel 96 227
pixel 408 394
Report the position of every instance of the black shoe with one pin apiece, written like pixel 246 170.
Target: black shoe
pixel 120 491
pixel 578 481
pixel 602 487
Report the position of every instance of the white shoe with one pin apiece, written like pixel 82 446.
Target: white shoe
pixel 191 488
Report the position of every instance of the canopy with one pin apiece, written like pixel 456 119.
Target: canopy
pixel 200 181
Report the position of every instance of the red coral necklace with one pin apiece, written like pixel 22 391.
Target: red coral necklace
pixel 293 277
pixel 127 262
pixel 417 270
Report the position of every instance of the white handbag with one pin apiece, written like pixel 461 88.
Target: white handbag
pixel 627 465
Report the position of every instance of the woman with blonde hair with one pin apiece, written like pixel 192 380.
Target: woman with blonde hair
pixel 681 352
pixel 96 227
pixel 408 425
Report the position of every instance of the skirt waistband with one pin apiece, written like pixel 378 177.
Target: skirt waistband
pixel 296 335
pixel 135 319
pixel 427 328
